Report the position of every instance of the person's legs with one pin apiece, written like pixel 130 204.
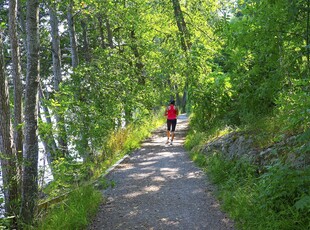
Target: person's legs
pixel 173 123
pixel 168 130
pixel 172 136
pixel 168 136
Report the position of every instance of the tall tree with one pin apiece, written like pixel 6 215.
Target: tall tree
pixel 7 150
pixel 109 32
pixel 100 28
pixel 56 52
pixel 30 166
pixel 86 49
pixel 185 41
pixel 138 59
pixel 183 31
pixel 56 56
pixel 308 37
pixel 16 75
pixel 47 138
pixel 72 34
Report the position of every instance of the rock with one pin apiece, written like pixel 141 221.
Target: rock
pixel 238 144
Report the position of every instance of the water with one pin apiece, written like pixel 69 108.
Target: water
pixel 45 176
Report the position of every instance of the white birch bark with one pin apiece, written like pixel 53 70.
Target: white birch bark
pixel 30 151
pixel 7 150
pixel 16 75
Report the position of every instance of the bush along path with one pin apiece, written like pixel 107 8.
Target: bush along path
pixel 158 187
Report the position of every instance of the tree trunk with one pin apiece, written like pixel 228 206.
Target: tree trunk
pixel 30 172
pixel 71 28
pixel 185 40
pixel 109 31
pixel 48 138
pixel 62 134
pixel 184 34
pixel 55 47
pixel 308 37
pixel 16 75
pixel 102 40
pixel 138 62
pixel 7 150
pixel 22 23
pixel 86 49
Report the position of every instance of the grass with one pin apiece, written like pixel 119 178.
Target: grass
pixel 124 141
pixel 82 203
pixel 73 213
pixel 278 198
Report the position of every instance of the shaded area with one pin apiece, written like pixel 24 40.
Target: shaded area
pixel 160 188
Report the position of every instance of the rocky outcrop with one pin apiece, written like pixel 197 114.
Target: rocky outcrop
pixel 232 145
pixel 239 144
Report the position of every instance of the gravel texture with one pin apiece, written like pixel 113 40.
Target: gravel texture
pixel 158 187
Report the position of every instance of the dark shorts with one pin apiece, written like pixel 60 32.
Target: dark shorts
pixel 171 125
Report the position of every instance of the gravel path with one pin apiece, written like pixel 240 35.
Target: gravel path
pixel 158 187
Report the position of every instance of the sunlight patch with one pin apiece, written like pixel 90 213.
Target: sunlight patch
pixel 134 194
pixel 148 163
pixel 141 175
pixel 158 179
pixel 152 188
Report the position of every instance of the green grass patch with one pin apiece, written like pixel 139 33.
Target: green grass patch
pixel 83 199
pixel 74 212
pixel 124 141
pixel 195 140
pixel 277 199
pixel 275 195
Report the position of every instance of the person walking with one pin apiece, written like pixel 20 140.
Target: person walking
pixel 171 113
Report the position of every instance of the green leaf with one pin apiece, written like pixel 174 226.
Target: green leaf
pixel 303 203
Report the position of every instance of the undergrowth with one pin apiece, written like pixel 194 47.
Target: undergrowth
pixel 82 202
pixel 123 141
pixel 276 197
pixel 72 213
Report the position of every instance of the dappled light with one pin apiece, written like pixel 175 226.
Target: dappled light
pixel 96 88
pixel 159 188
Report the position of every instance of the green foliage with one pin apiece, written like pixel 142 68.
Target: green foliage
pixel 77 209
pixel 129 139
pixel 268 131
pixel 123 141
pixel 247 66
pixel 71 172
pixel 285 191
pixel 193 139
pixel 255 72
pixel 264 60
pixel 210 99
pixel 294 110
pixel 279 197
pixel 6 222
pixel 73 213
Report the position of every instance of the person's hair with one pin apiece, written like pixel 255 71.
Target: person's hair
pixel 172 102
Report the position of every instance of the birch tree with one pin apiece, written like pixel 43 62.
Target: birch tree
pixel 183 31
pixel 7 150
pixel 185 41
pixel 16 75
pixel 56 54
pixel 71 29
pixel 30 167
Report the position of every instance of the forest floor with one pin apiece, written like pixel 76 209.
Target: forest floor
pixel 159 187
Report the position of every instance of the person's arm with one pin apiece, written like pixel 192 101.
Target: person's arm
pixel 166 112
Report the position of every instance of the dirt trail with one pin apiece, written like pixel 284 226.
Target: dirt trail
pixel 158 187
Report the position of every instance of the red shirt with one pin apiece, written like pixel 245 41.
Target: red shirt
pixel 171 112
